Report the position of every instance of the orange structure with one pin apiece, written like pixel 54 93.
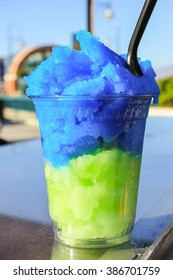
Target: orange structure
pixel 11 77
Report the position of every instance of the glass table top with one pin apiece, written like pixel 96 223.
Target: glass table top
pixel 22 240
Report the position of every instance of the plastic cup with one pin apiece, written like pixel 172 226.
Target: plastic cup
pixel 92 149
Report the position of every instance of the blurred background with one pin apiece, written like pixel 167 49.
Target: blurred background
pixel 30 28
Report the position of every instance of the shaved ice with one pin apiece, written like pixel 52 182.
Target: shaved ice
pixel 93 70
pixel 92 114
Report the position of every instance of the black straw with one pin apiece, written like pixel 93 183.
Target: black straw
pixel 132 61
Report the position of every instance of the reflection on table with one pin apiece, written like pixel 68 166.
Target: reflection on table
pixel 27 240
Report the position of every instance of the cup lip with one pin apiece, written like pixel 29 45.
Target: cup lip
pixel 92 97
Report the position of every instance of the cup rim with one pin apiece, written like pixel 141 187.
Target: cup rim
pixel 91 97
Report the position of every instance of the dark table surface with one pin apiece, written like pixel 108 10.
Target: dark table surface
pixel 25 240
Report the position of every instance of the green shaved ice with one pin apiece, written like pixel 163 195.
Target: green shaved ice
pixel 94 196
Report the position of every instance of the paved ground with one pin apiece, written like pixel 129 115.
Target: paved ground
pixel 22 125
pixel 18 125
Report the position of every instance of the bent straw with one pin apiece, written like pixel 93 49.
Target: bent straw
pixel 132 60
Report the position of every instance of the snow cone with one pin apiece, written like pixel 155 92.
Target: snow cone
pixel 92 114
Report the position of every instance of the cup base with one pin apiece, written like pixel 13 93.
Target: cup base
pixel 92 243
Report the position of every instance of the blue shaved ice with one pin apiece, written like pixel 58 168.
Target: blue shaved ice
pixel 95 119
pixel 93 70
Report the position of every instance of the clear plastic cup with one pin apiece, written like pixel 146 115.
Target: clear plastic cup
pixel 92 148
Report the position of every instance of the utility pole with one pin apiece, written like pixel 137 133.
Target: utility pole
pixel 90 15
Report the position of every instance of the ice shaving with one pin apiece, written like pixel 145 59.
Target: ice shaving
pixel 92 125
pixel 94 70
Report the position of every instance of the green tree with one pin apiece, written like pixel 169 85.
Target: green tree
pixel 166 92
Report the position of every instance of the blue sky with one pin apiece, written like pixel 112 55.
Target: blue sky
pixel 39 22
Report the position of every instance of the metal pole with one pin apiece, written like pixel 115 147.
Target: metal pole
pixel 90 15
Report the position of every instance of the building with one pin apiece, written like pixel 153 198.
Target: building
pixel 22 65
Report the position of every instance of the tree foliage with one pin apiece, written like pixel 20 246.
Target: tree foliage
pixel 166 92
